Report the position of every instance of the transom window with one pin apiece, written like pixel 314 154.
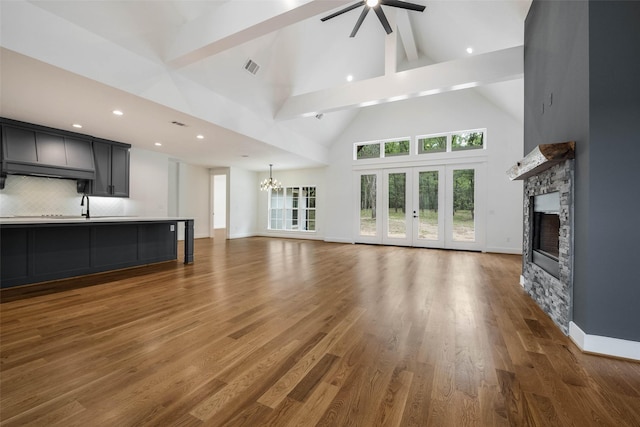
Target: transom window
pixel 292 208
pixel 451 142
pixel 377 150
pixel 432 144
pixel 368 151
pixel 397 148
pixel 467 141
pixel 448 142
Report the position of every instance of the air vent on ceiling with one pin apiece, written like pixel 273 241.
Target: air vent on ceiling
pixel 251 67
pixel 178 123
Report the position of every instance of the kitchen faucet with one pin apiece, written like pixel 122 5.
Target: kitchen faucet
pixel 82 204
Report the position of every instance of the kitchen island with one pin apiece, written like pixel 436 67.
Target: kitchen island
pixel 39 249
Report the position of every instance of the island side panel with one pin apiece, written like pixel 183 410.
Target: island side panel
pixel 188 241
pixel 34 253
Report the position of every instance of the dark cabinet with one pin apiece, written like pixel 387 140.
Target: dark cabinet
pixel 19 145
pixel 112 169
pixel 100 166
pixel 37 150
pixel 39 252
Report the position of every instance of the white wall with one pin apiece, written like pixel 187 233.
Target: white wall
pixel 301 177
pixel 148 184
pixel 243 203
pixel 152 175
pixel 220 200
pixel 194 197
pixel 459 110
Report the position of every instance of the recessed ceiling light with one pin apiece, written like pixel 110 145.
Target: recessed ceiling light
pixel 157 144
pixel 372 3
pixel 118 112
pixel 349 78
pixel 469 50
pixel 200 136
pixel 77 125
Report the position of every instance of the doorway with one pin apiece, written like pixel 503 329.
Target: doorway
pixel 219 208
pixel 436 206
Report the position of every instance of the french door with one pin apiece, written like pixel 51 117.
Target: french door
pixel 436 206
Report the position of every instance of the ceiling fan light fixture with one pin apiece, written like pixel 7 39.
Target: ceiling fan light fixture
pixel 367 5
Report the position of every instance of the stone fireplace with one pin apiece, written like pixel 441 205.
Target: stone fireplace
pixel 547 252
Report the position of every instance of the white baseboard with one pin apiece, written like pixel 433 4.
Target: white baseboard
pixel 604 345
pixel 241 235
pixel 291 235
pixel 497 250
pixel 338 240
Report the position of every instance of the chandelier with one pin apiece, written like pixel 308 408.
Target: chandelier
pixel 270 183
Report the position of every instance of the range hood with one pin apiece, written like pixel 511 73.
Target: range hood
pixel 39 151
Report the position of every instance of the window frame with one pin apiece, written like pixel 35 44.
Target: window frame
pixel 449 145
pixel 471 148
pixel 297 208
pixel 415 152
pixel 435 135
pixel 382 149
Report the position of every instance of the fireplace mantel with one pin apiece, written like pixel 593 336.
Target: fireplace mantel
pixel 541 158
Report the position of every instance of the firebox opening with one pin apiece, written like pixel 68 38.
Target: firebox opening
pixel 547 237
pixel 545 230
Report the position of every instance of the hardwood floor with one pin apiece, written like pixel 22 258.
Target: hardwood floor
pixel 278 332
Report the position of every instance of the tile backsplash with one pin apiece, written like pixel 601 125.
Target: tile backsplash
pixel 33 196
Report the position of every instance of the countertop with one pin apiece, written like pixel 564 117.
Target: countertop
pixel 80 219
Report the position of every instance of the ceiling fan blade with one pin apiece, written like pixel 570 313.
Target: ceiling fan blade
pixel 403 5
pixel 340 12
pixel 383 19
pixel 360 19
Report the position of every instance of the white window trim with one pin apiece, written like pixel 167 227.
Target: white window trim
pixel 284 210
pixel 414 155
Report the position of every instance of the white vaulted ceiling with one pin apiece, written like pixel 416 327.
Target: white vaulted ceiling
pixel 161 61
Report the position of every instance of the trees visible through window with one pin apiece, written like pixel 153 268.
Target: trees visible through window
pixel 293 208
pixel 433 144
pixel 368 151
pixel 368 192
pixel 423 145
pixel 397 148
pixel 467 141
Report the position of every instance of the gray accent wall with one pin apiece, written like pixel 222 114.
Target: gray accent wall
pixel 582 63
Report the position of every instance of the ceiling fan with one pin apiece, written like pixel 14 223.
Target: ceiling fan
pixel 375 5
